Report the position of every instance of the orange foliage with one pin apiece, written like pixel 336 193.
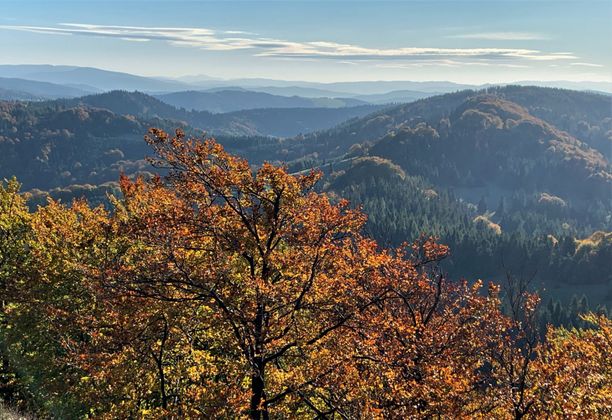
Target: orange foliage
pixel 218 291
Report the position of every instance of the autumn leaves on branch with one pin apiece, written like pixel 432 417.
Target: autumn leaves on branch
pixel 220 291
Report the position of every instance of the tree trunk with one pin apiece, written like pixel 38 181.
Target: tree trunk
pixel 259 406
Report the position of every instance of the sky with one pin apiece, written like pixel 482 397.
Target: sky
pixel 323 41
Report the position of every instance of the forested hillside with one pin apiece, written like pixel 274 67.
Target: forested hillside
pixel 488 140
pixel 229 100
pixel 495 182
pixel 52 146
pixel 583 115
pixel 281 122
pixel 490 172
pixel 219 291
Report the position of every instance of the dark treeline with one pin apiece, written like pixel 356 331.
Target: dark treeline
pixel 519 235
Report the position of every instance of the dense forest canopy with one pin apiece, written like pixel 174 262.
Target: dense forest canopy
pixel 310 280
pixel 510 173
pixel 229 292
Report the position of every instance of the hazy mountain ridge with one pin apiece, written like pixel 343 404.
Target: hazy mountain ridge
pixel 98 79
pixel 95 79
pixel 221 101
pixel 283 122
pixel 35 90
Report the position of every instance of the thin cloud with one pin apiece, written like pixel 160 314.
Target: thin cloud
pixel 239 33
pixel 444 63
pixel 586 64
pixel 210 39
pixel 502 36
pixel 136 39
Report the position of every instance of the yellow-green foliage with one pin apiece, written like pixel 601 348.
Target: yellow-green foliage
pixel 484 222
pixel 596 240
pixel 479 119
pixel 551 200
pixel 369 167
pixel 430 194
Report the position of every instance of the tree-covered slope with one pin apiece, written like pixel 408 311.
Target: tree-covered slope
pixel 46 147
pixel 493 176
pixel 491 141
pixel 586 116
pixel 284 122
pixel 534 236
pixel 230 100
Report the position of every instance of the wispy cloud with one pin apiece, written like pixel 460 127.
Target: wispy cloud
pixel 502 36
pixel 136 39
pixel 239 33
pixel 331 50
pixel 210 39
pixel 445 63
pixel 586 64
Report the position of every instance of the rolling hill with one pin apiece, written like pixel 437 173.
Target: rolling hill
pixel 490 172
pixel 47 147
pixel 283 122
pixel 34 90
pixel 229 100
pixel 488 140
pixel 586 116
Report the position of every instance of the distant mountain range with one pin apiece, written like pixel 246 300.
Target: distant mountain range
pixel 89 79
pixel 75 81
pixel 23 89
pixel 229 100
pixel 40 82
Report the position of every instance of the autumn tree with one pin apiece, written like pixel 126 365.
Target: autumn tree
pixel 38 287
pixel 574 371
pixel 14 229
pixel 511 356
pixel 423 350
pixel 264 258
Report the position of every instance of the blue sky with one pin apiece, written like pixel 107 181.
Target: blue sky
pixel 462 41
